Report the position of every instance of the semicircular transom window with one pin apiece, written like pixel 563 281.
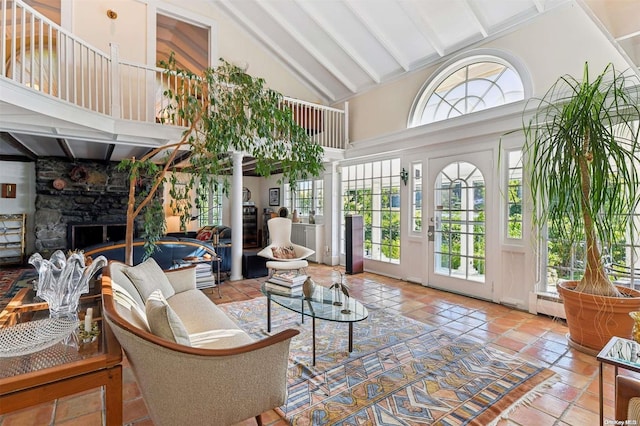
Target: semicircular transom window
pixel 470 87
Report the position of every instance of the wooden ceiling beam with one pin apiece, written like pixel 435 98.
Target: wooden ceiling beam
pixel 16 144
pixel 64 146
pixel 109 153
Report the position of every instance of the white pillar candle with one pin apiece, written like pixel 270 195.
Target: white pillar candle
pixel 87 319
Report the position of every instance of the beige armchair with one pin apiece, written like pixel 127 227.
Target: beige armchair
pixel 238 379
pixel 627 400
pixel 282 253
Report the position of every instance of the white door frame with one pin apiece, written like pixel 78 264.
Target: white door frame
pixel 484 160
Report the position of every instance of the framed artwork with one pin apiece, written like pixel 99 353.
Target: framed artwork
pixel 8 190
pixel 274 196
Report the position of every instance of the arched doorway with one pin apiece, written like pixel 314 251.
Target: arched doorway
pixel 459 232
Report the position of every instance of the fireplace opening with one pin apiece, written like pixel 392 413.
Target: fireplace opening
pixel 82 235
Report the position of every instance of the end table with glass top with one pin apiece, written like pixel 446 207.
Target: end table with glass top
pixel 61 370
pixel 320 305
pixel 621 353
pixel 206 280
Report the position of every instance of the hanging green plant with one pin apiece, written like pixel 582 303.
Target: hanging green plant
pixel 224 110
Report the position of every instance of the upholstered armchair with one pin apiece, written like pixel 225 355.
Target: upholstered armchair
pixel 627 400
pixel 222 376
pixel 282 253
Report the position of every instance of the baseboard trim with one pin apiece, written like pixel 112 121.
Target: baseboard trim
pixel 547 304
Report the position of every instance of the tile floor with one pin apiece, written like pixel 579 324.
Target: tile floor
pixel 572 401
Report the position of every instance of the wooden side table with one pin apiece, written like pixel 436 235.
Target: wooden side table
pixel 61 370
pixel 621 353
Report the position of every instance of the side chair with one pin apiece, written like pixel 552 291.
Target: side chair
pixel 282 253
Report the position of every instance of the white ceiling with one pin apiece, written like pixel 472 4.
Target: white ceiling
pixel 343 47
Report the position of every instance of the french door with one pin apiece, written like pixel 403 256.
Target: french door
pixel 462 224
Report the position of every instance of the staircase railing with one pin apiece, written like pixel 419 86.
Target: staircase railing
pixel 43 56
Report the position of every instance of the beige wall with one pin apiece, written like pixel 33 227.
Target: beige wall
pixel 129 31
pixel 557 43
pixel 235 45
pixel 90 22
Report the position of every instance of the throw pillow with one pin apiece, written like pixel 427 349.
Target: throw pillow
pixel 205 234
pixel 163 321
pixel 147 277
pixel 283 252
pixel 123 298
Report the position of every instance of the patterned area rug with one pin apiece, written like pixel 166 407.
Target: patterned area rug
pixel 11 281
pixel 401 372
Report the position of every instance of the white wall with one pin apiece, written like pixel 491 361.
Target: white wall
pixel 24 176
pixel 134 29
pixel 557 43
pixel 90 22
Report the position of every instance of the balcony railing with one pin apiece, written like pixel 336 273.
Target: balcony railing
pixel 45 57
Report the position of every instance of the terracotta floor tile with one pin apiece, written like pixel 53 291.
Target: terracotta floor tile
pixel 564 391
pixel 551 345
pixel 469 320
pixel 571 401
pixel 39 415
pixel 542 354
pixel 509 343
pixel 530 415
pixel 534 327
pixel 576 365
pixel 134 410
pixel 142 422
pixel 551 405
pixel 495 328
pixel 520 336
pixel 483 335
pixel 76 406
pixel 576 379
pixel 90 419
pixel 579 416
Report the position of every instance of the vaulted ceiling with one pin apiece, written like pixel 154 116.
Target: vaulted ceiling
pixel 343 47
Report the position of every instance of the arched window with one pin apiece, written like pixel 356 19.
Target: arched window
pixel 473 84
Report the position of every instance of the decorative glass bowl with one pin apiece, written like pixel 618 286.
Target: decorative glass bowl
pixel 33 336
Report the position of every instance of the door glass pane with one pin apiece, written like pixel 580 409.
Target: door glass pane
pixel 459 246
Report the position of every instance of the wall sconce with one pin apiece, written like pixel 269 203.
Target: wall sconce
pixel 404 175
pixel 111 14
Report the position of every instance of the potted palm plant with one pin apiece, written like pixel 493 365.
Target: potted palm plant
pixel 223 110
pixel 583 161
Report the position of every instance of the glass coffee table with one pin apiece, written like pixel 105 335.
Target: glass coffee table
pixel 321 306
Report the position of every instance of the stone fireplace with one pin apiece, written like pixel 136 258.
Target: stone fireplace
pixel 78 203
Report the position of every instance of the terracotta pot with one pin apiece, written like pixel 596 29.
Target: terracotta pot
pixel 593 320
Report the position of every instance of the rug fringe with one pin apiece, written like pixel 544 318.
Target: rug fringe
pixel 528 398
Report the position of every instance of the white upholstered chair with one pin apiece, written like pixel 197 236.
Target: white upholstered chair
pixel 282 253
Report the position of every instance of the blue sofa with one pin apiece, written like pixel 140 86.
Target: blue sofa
pixel 169 251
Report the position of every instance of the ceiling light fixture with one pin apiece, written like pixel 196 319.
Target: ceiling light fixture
pixel 111 14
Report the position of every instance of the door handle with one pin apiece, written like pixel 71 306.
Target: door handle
pixel 431 233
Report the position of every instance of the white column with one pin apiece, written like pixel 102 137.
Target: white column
pixel 236 218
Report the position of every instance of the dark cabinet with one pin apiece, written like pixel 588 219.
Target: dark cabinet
pixel 249 226
pixel 354 244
